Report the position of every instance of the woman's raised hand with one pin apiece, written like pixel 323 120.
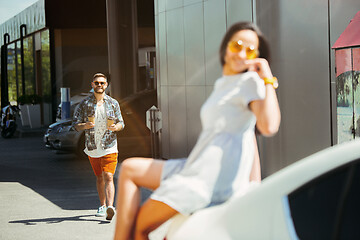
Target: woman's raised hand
pixel 261 66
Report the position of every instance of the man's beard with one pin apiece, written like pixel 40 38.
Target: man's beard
pixel 99 90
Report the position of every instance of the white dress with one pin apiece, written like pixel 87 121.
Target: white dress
pixel 221 161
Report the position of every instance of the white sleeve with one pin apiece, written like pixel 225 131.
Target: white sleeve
pixel 253 88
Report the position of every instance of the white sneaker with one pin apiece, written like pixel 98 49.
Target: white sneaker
pixel 101 211
pixel 110 212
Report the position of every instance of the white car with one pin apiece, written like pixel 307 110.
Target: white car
pixel 315 198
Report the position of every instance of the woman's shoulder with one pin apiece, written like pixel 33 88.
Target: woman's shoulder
pixel 240 80
pixel 219 81
pixel 252 78
pixel 242 76
pixel 245 78
pixel 254 85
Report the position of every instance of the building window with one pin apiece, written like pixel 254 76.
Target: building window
pixel 18 66
pixel 29 65
pixel 11 69
pixel 46 77
pixel 45 66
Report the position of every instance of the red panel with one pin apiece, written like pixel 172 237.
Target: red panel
pixel 351 35
pixel 356 59
pixel 343 61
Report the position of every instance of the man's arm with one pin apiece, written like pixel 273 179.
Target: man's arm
pixel 119 122
pixel 78 123
pixel 83 126
pixel 116 127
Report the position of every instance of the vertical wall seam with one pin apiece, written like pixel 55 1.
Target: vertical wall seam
pixel 185 83
pixel 330 84
pixel 252 11
pixel 353 91
pixel 167 79
pixel 226 15
pixel 204 41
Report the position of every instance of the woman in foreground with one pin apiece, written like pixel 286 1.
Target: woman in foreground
pixel 222 160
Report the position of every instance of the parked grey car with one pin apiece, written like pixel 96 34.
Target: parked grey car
pixel 62 136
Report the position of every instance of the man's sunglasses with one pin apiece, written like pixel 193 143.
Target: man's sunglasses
pixel 237 46
pixel 99 83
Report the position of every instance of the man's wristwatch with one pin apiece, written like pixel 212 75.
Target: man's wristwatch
pixel 273 81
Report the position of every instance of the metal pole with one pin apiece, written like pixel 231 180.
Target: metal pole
pixel 153 129
pixel 65 103
pixel 154 140
pixel 4 75
pixel 155 134
pixel 22 34
pixel 153 122
pixel 16 72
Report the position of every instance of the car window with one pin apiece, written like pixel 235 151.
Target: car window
pixel 350 219
pixel 321 208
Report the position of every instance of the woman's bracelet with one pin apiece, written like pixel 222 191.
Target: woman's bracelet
pixel 273 81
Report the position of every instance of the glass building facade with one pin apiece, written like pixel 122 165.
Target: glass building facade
pixel 30 74
pixel 59 44
pixel 46 47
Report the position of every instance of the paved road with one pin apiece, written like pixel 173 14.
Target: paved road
pixel 47 195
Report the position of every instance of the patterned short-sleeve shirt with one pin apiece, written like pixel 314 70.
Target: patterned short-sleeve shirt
pixel 86 108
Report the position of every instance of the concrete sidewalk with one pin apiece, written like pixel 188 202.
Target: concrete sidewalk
pixel 26 214
pixel 45 195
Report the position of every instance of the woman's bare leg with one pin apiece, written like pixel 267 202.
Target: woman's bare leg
pixel 134 173
pixel 151 215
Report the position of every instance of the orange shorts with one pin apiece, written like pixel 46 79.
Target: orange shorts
pixel 105 163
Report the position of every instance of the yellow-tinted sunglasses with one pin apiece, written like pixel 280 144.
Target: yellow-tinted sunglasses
pixel 237 46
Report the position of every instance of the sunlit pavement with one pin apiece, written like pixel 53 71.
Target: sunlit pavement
pixel 48 195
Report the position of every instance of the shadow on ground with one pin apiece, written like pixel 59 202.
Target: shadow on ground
pixel 81 218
